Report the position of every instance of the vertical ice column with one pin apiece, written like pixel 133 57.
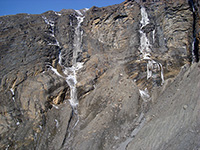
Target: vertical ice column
pixel 154 69
pixel 145 20
pixel 71 79
pixel 78 37
pixel 70 72
pixel 161 74
pixel 144 41
pixel 153 34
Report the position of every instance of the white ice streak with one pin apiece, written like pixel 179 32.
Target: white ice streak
pixel 145 95
pixel 144 45
pixel 59 14
pixel 52 32
pixel 153 35
pixel 79 12
pixel 55 44
pixel 145 20
pixel 83 10
pixel 193 50
pixel 162 74
pixel 57 123
pixel 12 91
pixel 56 107
pixel 56 71
pixel 144 41
pixel 60 58
pixel 13 94
pixel 77 39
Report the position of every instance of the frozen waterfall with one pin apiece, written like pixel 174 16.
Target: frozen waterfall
pixel 70 72
pixel 154 69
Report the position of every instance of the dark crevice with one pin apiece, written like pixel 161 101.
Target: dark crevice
pixel 196 49
pixel 195 43
pixel 120 16
pixel 68 127
pixel 66 133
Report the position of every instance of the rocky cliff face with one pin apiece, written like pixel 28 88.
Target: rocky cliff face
pixel 119 77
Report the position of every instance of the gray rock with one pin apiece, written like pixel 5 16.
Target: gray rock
pixel 173 127
pixel 112 113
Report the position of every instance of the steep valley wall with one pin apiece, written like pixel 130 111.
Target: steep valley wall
pixel 122 77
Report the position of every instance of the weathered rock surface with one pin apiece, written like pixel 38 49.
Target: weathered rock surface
pixel 173 121
pixel 126 101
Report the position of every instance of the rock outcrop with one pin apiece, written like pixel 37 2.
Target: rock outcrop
pixel 119 77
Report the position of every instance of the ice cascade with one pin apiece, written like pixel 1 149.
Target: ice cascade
pixel 153 67
pixel 70 72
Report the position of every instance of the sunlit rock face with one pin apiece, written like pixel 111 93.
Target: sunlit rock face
pixel 118 77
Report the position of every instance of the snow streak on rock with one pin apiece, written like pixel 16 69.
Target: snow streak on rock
pixel 51 30
pixel 162 74
pixel 154 35
pixel 57 13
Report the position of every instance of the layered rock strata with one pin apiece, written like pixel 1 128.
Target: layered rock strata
pixel 116 77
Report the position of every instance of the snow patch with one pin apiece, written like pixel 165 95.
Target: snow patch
pixel 85 9
pixel 59 14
